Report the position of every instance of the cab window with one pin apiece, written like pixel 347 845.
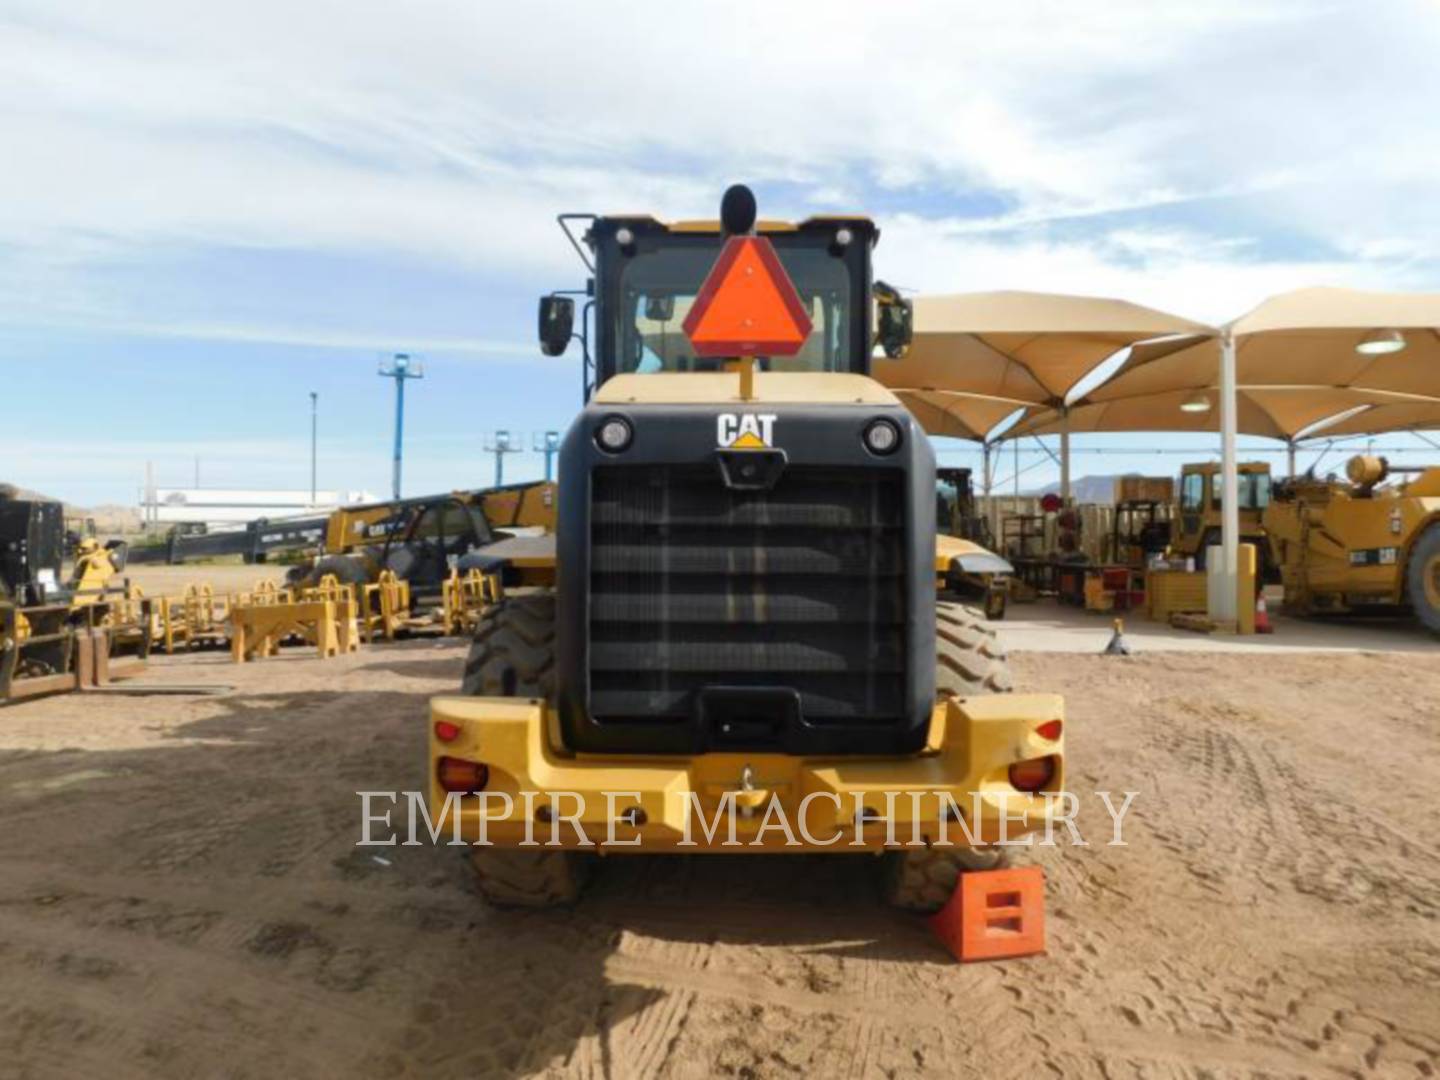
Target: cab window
pixel 1192 492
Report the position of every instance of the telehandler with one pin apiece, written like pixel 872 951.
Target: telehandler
pixel 422 539
pixel 1352 545
pixel 744 628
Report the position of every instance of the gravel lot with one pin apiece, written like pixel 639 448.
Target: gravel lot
pixel 181 897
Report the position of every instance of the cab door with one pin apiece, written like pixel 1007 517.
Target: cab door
pixel 1192 510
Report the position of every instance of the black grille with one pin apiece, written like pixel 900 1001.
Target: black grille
pixel 693 584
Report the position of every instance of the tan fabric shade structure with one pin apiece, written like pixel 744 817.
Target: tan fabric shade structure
pixel 958 416
pixel 1276 412
pixel 957 363
pixel 1380 419
pixel 1024 345
pixel 1298 345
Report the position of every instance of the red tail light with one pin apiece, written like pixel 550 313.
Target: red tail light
pixel 457 774
pixel 445 731
pixel 1031 776
pixel 1050 730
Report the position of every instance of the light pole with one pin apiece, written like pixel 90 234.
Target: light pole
pixel 314 432
pixel 548 443
pixel 500 444
pixel 400 367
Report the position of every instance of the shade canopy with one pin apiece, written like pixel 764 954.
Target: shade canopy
pixel 1276 412
pixel 1297 363
pixel 957 416
pixel 1023 347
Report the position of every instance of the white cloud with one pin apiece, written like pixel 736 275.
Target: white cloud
pixel 453 133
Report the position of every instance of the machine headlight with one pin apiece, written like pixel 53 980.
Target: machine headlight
pixel 614 434
pixel 882 437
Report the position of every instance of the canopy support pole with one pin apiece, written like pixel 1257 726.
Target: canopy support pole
pixel 1290 453
pixel 1222 591
pixel 987 475
pixel 1065 455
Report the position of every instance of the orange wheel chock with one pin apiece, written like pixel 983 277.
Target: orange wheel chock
pixel 994 915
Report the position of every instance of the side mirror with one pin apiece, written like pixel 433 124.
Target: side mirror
pixel 895 320
pixel 557 324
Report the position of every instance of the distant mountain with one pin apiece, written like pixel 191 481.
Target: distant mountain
pixel 1086 489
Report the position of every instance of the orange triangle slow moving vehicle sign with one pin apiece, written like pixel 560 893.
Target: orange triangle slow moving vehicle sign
pixel 748 305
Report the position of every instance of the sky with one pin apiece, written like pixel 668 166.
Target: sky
pixel 209 211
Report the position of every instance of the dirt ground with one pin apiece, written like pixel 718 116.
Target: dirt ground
pixel 160 580
pixel 180 896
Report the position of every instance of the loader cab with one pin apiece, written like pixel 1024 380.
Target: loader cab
pixel 1197 524
pixel 648 274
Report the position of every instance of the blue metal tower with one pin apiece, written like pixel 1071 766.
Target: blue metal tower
pixel 400 367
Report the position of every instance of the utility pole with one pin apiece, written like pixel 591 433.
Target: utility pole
pixel 400 367
pixel 547 443
pixel 501 443
pixel 314 432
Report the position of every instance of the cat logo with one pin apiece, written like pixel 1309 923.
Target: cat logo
pixel 745 431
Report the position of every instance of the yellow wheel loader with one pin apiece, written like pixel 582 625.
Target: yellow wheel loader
pixel 1195 520
pixel 1354 545
pixel 966 567
pixel 743 650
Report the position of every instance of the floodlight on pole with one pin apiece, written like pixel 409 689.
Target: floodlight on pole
pixel 547 443
pixel 1380 343
pixel 501 443
pixel 400 367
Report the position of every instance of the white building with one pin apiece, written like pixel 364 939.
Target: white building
pixel 219 508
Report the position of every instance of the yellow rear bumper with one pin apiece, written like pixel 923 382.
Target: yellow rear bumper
pixel 536 797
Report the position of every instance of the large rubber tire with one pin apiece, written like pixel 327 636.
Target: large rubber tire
pixel 969 661
pixel 511 877
pixel 969 658
pixel 513 655
pixel 1422 579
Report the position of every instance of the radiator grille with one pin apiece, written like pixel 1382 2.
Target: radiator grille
pixel 693 584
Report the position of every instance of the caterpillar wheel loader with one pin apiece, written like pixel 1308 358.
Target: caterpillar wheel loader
pixel 743 650
pixel 1353 545
pixel 1195 520
pixel 967 567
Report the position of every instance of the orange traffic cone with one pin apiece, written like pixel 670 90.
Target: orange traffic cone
pixel 1262 617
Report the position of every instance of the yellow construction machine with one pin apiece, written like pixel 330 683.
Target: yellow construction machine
pixel 1195 520
pixel 743 650
pixel 58 633
pixel 424 540
pixel 966 566
pixel 1360 544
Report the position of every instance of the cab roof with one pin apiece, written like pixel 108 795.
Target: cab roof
pixel 712 225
